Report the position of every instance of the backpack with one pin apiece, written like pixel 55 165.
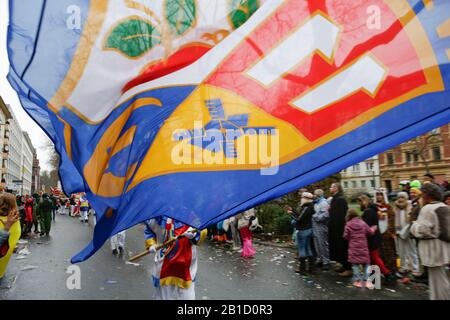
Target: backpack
pixel 443 214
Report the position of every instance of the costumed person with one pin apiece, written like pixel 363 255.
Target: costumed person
pixel 28 207
pixel 302 219
pixel 35 212
pixel 320 220
pixel 118 242
pixel 45 214
pixel 370 216
pixel 175 265
pixel 84 209
pixel 432 228
pixel 68 208
pixel 356 232
pixel 338 245
pixel 10 228
pixel 407 249
pixel 21 208
pixel 386 224
pixel 232 222
pixel 221 234
pixel 246 225
pixel 416 197
pixel 72 205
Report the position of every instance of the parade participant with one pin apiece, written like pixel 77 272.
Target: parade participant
pixel 302 219
pixel 68 207
pixel 338 245
pixel 118 243
pixel 386 224
pixel 54 206
pixel 175 266
pixel 45 214
pixel 8 223
pixel 370 216
pixel 28 214
pixel 72 205
pixel 234 233
pixel 432 228
pixel 407 248
pixel 35 212
pixel 246 224
pixel 84 209
pixel 221 234
pixel 320 229
pixel 416 199
pixel 21 208
pixel 356 232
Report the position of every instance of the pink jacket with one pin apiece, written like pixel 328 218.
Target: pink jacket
pixel 355 232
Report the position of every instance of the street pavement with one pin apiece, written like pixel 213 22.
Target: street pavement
pixel 222 273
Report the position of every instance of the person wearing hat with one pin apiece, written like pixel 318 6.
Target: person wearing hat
pixel 302 219
pixel 434 250
pixel 415 184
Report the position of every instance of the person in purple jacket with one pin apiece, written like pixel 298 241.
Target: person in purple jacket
pixel 355 232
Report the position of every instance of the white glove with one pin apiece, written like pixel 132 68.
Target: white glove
pixel 152 249
pixel 190 233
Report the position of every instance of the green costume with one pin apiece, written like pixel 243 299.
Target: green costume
pixel 36 200
pixel 45 214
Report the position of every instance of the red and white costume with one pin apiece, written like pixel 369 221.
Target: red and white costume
pixel 175 266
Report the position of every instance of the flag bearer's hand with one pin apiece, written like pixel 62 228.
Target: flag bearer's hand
pixel 190 233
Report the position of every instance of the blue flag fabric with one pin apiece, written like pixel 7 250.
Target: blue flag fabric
pixel 201 110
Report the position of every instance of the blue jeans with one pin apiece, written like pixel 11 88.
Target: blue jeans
pixel 304 238
pixel 357 274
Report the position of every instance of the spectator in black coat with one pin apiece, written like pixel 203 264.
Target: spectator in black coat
pixel 338 245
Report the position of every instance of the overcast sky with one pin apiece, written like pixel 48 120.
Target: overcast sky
pixel 38 137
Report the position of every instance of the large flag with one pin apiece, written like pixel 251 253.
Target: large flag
pixel 200 109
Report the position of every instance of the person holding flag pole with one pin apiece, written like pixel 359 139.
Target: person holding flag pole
pixel 175 263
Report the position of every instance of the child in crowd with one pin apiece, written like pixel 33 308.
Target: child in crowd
pixel 355 232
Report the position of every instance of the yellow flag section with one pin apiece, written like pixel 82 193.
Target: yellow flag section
pixel 187 142
pixel 14 236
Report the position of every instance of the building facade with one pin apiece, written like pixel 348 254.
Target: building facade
pixel 5 116
pixel 412 159
pixel 27 163
pixel 17 153
pixel 361 177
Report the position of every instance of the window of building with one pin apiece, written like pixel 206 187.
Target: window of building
pixel 436 153
pixel 354 185
pixel 356 168
pixel 369 166
pixel 390 158
pixel 363 183
pixel 416 156
pixel 372 183
pixel 408 157
pixel 345 184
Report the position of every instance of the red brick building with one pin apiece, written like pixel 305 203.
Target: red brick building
pixel 412 159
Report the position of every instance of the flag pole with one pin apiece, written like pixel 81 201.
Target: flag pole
pixel 159 247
